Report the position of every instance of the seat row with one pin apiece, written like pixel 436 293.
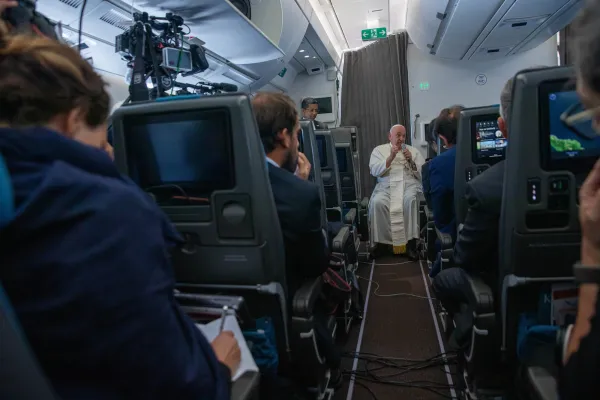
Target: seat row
pixel 539 236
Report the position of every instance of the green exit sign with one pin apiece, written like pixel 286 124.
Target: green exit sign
pixel 424 85
pixel 282 72
pixel 373 34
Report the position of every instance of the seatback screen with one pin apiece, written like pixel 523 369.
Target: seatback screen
pixel 488 143
pixel 564 142
pixel 564 148
pixel 341 159
pixel 322 150
pixel 180 157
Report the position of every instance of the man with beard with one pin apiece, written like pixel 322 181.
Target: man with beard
pixel 298 206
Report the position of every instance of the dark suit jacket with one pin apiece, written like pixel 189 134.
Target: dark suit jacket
pixel 299 209
pixel 86 266
pixel 476 247
pixel 441 181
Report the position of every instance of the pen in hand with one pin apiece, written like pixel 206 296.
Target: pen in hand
pixel 223 317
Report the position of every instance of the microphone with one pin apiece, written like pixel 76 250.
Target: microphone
pixel 403 146
pixel 226 87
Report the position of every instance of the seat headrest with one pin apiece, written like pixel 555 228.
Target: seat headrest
pixel 6 195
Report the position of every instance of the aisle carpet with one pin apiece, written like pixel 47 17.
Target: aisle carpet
pixel 395 326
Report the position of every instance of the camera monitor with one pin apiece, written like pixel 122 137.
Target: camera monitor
pixel 563 148
pixel 488 143
pixel 322 150
pixel 180 157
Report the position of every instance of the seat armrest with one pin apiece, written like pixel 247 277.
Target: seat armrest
pixel 482 295
pixel 421 197
pixel 350 216
pixel 340 239
pixel 364 203
pixel 306 297
pixel 428 213
pixel 445 239
pixel 246 386
pixel 542 383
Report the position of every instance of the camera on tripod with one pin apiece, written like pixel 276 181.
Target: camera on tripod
pixel 160 57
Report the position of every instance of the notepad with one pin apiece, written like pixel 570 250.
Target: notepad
pixel 211 331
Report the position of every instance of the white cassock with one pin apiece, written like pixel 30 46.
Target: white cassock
pixel 394 205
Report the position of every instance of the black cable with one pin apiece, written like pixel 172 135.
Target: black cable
pixel 81 25
pixel 375 365
pixel 368 389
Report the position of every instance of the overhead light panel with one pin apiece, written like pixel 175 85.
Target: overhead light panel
pixel 301 51
pixel 306 56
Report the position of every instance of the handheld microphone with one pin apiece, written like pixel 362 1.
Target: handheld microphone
pixel 403 146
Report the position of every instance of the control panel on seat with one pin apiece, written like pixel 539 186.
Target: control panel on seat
pixel 481 169
pixel 468 174
pixel 558 193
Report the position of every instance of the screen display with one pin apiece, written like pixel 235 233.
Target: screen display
pixel 322 150
pixel 564 148
pixel 180 157
pixel 325 106
pixel 564 142
pixel 489 143
pixel 341 159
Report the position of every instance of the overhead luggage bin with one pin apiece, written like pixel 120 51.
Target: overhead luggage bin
pixel 486 30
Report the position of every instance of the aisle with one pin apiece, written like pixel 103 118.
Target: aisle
pixel 395 326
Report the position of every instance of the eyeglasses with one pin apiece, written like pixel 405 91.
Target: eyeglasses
pixel 578 120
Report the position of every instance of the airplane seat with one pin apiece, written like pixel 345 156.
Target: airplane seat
pixel 308 146
pixel 331 182
pixel 346 143
pixel 540 233
pixel 20 372
pixel 215 188
pixel 330 175
pixel 337 234
pixel 478 146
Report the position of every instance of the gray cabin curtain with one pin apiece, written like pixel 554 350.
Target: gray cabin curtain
pixel 375 96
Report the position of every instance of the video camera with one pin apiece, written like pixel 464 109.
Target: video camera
pixel 160 57
pixel 25 19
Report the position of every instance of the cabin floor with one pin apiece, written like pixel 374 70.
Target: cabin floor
pixel 400 341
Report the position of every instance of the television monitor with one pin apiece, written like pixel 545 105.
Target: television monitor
pixel 488 145
pixel 322 150
pixel 327 108
pixel 341 159
pixel 561 147
pixel 180 157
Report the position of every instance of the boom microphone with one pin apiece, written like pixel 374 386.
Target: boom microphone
pixel 225 87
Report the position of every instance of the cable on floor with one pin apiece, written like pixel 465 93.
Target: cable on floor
pixel 375 292
pixel 374 365
pixel 390 264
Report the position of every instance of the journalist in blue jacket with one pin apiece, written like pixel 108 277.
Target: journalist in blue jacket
pixel 441 181
pixel 85 261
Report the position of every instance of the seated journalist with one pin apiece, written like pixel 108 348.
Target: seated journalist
pixel 476 247
pixel 441 183
pixel 85 262
pixel 298 207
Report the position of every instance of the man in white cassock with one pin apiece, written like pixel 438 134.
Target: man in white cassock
pixel 394 206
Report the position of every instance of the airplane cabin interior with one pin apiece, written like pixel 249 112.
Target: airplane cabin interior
pixel 182 76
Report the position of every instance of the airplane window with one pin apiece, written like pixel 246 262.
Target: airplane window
pixel 180 157
pixel 489 145
pixel 562 147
